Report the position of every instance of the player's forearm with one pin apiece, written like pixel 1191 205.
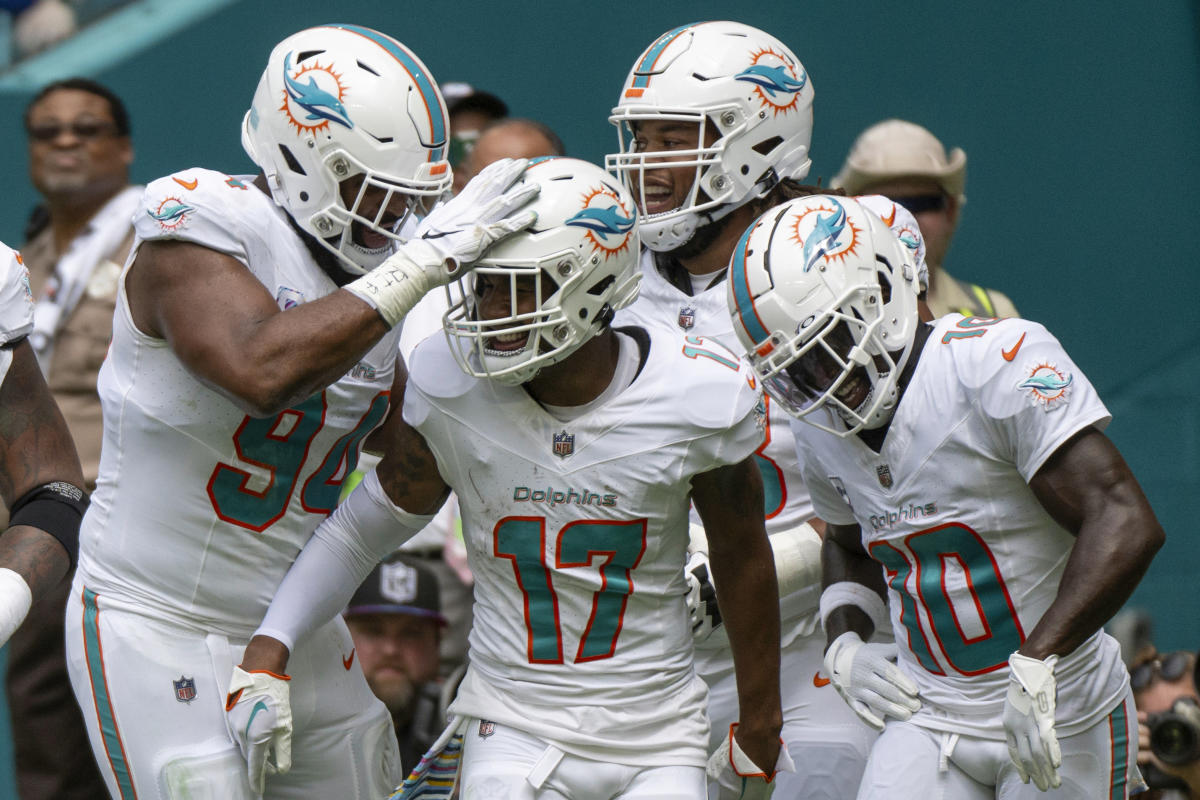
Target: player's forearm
pixel 36 556
pixel 1113 550
pixel 288 357
pixel 747 593
pixel 842 564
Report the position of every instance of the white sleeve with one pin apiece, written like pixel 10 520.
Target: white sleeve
pixel 343 550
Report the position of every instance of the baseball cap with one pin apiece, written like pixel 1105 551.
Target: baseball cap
pixel 897 149
pixel 398 585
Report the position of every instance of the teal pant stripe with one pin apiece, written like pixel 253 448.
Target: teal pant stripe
pixel 108 724
pixel 1118 723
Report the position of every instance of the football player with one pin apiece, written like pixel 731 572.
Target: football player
pixel 973 507
pixel 40 476
pixel 716 122
pixel 573 448
pixel 254 346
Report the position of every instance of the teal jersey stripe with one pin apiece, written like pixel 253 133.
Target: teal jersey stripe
pixel 424 82
pixel 641 74
pixel 1118 726
pixel 108 724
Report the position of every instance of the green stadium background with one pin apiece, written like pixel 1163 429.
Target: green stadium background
pixel 1080 121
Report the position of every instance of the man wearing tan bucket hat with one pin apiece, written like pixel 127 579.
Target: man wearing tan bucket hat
pixel 907 163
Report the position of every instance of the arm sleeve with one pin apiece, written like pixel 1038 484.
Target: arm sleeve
pixel 343 550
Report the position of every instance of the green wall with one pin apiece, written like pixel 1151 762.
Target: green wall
pixel 1080 122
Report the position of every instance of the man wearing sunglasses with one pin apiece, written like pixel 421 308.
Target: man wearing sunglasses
pixel 78 237
pixel 1159 681
pixel 908 164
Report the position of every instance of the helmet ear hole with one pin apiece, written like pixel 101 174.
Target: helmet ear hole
pixel 290 160
pixel 885 286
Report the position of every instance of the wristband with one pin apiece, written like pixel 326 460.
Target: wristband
pixel 850 593
pixel 56 508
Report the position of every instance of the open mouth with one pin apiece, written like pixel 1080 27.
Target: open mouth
pixel 370 239
pixel 506 344
pixel 658 199
pixel 854 391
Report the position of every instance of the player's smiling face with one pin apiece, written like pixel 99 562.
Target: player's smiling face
pixel 818 370
pixel 503 297
pixel 660 187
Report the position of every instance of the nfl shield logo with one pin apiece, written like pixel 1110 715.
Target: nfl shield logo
pixel 486 728
pixel 564 444
pixel 185 689
pixel 884 473
pixel 687 317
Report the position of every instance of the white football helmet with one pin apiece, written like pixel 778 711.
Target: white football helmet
pixel 905 226
pixel 338 101
pixel 745 85
pixel 579 261
pixel 824 300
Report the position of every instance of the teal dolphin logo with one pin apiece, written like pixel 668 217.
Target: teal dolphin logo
pixel 772 79
pixel 320 104
pixel 602 221
pixel 170 214
pixel 1050 383
pixel 824 236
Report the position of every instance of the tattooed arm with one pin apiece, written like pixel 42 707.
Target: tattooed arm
pixel 35 449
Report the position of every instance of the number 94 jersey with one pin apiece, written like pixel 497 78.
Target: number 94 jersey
pixel 971 558
pixel 576 534
pixel 200 509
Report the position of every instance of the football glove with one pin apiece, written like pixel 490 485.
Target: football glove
pixel 1029 720
pixel 259 716
pixel 868 680
pixel 450 240
pixel 738 777
pixel 701 597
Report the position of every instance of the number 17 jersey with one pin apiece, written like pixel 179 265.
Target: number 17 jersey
pixel 576 534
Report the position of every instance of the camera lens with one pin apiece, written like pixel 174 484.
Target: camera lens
pixel 1174 739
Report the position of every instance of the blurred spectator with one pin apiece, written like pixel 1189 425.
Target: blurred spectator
pixel 1159 682
pixel 507 138
pixel 396 622
pixel 42 24
pixel 908 164
pixel 470 112
pixel 79 158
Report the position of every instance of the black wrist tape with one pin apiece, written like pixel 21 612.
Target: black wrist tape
pixel 56 508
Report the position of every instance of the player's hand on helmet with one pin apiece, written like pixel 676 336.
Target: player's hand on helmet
pixel 737 775
pixel 867 678
pixel 456 234
pixel 259 715
pixel 1029 720
pixel 701 597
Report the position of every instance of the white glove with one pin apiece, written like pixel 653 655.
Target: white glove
pixel 868 681
pixel 701 597
pixel 738 777
pixel 450 240
pixel 1029 720
pixel 259 716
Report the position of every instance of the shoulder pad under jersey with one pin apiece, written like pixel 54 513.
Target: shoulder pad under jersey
pixel 202 206
pixel 16 300
pixel 713 388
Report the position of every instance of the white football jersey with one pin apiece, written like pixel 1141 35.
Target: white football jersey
pixel 200 509
pixel 971 558
pixel 786 499
pixel 16 305
pixel 576 534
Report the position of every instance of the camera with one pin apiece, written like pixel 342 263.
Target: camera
pixel 1175 733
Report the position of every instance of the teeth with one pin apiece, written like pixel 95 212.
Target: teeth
pixel 507 338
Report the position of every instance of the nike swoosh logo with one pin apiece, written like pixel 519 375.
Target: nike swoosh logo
pixel 189 185
pixel 1009 355
pixel 259 706
pixel 348 660
pixel 818 681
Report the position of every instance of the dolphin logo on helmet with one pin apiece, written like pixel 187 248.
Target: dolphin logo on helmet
pixel 320 104
pixel 825 236
pixel 773 79
pixel 602 221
